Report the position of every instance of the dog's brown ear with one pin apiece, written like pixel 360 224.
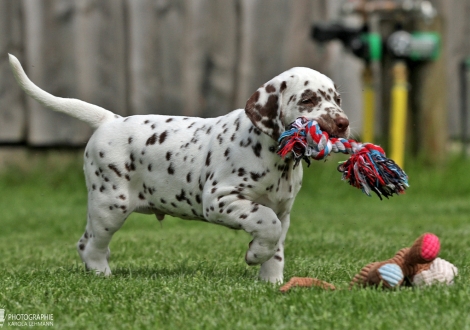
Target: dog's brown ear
pixel 264 108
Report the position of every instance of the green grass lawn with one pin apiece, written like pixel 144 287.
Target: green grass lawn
pixel 189 275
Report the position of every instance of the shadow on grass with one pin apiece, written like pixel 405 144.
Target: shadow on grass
pixel 184 271
pixel 178 270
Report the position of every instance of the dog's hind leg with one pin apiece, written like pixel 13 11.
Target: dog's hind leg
pixel 103 221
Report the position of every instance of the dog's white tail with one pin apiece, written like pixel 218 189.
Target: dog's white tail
pixel 89 113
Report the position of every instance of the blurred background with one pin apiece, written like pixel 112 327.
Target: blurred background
pixel 401 66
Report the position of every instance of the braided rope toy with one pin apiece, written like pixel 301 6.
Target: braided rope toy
pixel 367 169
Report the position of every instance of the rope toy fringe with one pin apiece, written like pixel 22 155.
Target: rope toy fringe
pixel 367 169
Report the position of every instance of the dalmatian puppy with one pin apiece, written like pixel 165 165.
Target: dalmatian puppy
pixel 222 170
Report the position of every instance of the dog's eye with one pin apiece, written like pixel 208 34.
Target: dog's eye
pixel 338 100
pixel 306 101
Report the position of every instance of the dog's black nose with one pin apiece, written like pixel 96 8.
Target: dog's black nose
pixel 342 124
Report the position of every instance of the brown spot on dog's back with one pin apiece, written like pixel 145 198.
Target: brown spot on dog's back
pixel 162 137
pixel 208 158
pixel 306 94
pixel 255 176
pixel 270 88
pixel 129 167
pixel 151 140
pixel 257 149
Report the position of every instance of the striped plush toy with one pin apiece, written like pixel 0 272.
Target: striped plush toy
pixel 367 169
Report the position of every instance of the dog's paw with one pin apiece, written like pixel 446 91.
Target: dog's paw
pixel 272 278
pixel 98 270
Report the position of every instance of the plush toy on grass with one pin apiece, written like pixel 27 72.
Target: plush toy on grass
pixel 367 169
pixel 418 265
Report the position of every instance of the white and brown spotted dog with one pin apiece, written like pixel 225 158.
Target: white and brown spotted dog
pixel 222 170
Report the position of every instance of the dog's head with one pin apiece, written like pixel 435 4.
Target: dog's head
pixel 298 92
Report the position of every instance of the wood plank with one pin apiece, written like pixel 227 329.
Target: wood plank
pixel 12 107
pixel 456 48
pixel 340 65
pixel 100 43
pixel 261 41
pixel 145 92
pixel 431 95
pixel 187 52
pixel 275 36
pixel 194 57
pixel 50 63
pixel 171 28
pixel 299 49
pixel 217 84
pixel 74 49
pixel 156 42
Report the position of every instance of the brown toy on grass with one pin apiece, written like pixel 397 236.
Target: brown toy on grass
pixel 306 282
pixel 407 263
pixel 417 265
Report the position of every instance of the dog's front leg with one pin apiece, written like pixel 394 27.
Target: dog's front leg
pixel 273 269
pixel 261 222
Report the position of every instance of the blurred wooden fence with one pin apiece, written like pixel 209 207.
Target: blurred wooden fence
pixel 193 57
pixel 182 57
